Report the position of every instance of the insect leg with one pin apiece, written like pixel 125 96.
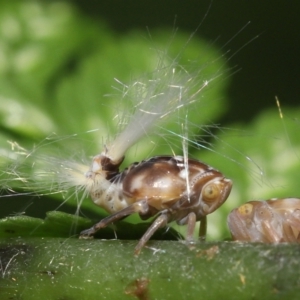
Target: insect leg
pixel 270 234
pixel 159 222
pixel 203 228
pixel 288 234
pixel 294 220
pixel 137 207
pixel 191 224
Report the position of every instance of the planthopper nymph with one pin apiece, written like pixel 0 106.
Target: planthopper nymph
pixel 164 186
pixel 164 108
pixel 270 221
pixel 171 188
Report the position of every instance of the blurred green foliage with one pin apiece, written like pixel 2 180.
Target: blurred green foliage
pixel 58 94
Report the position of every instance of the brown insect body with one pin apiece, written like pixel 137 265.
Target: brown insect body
pixel 166 186
pixel 271 221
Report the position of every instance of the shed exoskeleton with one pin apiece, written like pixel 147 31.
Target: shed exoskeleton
pixel 167 187
pixel 270 221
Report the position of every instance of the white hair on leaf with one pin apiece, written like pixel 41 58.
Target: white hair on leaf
pixel 168 90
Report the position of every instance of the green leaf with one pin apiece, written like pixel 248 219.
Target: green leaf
pixel 92 269
pixel 60 224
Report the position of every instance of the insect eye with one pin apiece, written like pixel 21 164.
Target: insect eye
pixel 246 209
pixel 211 192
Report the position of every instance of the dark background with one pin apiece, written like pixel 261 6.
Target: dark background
pixel 269 64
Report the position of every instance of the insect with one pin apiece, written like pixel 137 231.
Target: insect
pixel 164 186
pixel 170 188
pixel 271 221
